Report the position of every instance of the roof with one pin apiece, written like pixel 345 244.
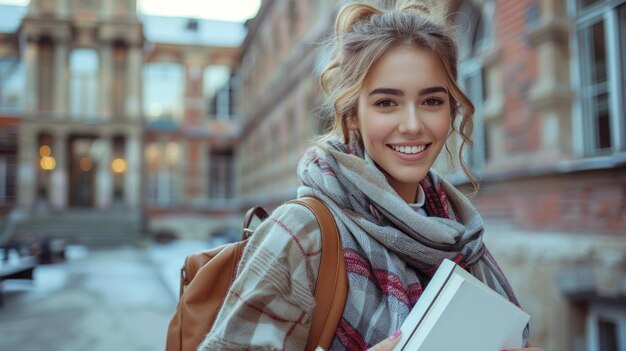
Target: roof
pixel 176 30
pixel 11 17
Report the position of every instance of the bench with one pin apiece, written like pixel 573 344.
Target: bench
pixel 22 270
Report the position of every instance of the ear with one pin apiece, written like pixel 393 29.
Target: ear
pixel 352 122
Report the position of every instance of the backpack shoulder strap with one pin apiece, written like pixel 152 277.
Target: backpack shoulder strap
pixel 331 288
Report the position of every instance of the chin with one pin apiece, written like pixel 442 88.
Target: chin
pixel 412 177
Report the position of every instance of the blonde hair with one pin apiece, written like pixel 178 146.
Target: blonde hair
pixel 363 33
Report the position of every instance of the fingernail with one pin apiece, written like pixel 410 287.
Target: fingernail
pixel 395 335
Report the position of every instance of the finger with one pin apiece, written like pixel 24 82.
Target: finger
pixel 387 344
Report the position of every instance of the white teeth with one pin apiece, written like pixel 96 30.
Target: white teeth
pixel 409 149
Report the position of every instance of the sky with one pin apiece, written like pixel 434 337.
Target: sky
pixel 229 10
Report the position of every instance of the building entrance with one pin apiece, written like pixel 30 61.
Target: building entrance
pixel 83 164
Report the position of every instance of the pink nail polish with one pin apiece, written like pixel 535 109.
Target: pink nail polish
pixel 395 335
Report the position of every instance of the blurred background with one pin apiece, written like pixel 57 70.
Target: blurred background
pixel 133 133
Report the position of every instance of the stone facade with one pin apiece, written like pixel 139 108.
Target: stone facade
pixel 100 129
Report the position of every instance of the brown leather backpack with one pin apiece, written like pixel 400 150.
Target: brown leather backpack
pixel 206 278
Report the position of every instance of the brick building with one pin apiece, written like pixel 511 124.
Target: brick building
pixel 548 83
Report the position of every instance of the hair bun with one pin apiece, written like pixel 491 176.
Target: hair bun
pixel 353 13
pixel 434 10
pixel 415 7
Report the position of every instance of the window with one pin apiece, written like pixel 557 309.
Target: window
pixel 601 33
pixel 84 72
pixel 606 327
pixel 12 81
pixel 164 186
pixel 471 72
pixel 7 178
pixel 221 175
pixel 217 91
pixel 163 93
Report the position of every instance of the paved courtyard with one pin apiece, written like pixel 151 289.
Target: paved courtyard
pixel 114 299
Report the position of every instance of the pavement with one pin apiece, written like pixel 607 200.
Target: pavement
pixel 108 299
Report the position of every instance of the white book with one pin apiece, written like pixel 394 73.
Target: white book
pixel 457 311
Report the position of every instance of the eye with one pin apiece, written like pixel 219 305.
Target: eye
pixel 385 103
pixel 433 101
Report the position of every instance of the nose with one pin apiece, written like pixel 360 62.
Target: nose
pixel 410 122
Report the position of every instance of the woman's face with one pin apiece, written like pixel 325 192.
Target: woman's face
pixel 403 116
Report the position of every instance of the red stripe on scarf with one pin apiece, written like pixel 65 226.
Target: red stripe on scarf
pixel 391 285
pixel 388 282
pixel 350 337
pixel 443 199
pixel 415 291
pixel 324 166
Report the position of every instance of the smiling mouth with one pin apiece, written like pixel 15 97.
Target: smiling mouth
pixel 410 150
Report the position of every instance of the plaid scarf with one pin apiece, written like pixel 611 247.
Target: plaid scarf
pixel 390 251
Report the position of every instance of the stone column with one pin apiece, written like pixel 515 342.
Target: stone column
pixel 26 171
pixel 180 172
pixel 194 106
pixel 551 95
pixel 59 177
pixel 104 176
pixel 106 80
pixel 132 177
pixel 133 82
pixel 30 65
pixel 203 172
pixel 61 74
pixel 33 7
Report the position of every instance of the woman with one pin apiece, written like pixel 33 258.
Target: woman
pixel 393 93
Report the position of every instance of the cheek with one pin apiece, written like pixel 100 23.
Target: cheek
pixel 441 126
pixel 375 130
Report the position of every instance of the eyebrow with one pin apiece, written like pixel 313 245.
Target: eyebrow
pixel 398 92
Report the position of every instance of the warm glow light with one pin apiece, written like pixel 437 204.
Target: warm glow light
pixel 118 165
pixel 85 164
pixel 47 163
pixel 171 152
pixel 45 151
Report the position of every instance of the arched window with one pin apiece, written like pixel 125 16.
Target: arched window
pixel 84 69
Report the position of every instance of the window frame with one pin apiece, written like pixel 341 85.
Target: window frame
pixel 220 177
pixel 84 85
pixel 606 12
pixel 605 311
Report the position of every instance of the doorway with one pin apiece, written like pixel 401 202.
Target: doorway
pixel 83 170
